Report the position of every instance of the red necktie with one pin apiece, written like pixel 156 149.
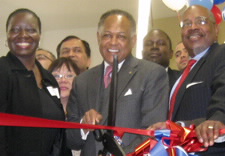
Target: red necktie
pixel 107 77
pixel 183 77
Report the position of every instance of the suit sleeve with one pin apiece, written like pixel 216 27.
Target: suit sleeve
pixel 73 136
pixel 155 98
pixel 216 108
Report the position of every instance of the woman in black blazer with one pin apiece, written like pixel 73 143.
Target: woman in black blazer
pixel 28 89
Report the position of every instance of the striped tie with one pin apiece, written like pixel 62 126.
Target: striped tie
pixel 183 77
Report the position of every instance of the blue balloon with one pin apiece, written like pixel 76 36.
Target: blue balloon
pixel 216 2
pixel 205 3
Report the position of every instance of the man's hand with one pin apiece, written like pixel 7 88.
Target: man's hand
pixel 208 131
pixel 157 126
pixel 91 117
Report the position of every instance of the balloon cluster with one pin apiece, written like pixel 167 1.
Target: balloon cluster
pixel 177 5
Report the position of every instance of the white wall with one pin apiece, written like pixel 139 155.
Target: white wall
pixel 50 40
pixel 3 48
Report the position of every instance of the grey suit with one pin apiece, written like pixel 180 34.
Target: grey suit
pixel 146 105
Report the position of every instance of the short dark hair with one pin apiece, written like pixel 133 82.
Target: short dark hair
pixel 53 56
pixel 167 36
pixel 118 12
pixel 23 10
pixel 85 43
pixel 58 63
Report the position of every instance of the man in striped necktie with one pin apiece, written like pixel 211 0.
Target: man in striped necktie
pixel 142 91
pixel 201 95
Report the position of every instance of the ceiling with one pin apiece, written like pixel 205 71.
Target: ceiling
pixel 63 14
pixel 67 14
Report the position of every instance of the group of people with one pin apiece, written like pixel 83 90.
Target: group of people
pixel 148 93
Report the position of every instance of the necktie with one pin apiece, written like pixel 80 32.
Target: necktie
pixel 107 78
pixel 183 77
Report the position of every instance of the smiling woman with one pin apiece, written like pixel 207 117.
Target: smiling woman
pixel 26 90
pixel 23 33
pixel 64 70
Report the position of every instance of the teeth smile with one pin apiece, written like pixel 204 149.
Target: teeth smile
pixel 23 44
pixel 194 36
pixel 113 50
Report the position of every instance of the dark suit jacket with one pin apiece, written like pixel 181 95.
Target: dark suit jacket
pixel 204 88
pixel 19 95
pixel 147 103
pixel 173 76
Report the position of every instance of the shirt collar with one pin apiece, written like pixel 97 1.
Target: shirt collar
pixel 166 69
pixel 200 55
pixel 119 65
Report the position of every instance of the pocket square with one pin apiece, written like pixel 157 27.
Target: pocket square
pixel 129 92
pixel 193 83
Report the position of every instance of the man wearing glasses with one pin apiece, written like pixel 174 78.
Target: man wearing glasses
pixel 201 95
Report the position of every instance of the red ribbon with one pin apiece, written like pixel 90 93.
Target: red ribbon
pixel 26 121
pixel 180 136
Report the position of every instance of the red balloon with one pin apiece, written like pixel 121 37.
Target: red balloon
pixel 217 14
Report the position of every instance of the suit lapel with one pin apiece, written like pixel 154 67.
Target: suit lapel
pixel 126 73
pixel 96 91
pixel 94 87
pixel 190 78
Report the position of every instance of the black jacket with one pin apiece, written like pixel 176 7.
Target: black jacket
pixel 19 94
pixel 173 76
pixel 202 94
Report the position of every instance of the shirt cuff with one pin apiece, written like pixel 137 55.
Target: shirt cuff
pixel 181 123
pixel 220 139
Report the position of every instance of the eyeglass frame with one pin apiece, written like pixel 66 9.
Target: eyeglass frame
pixel 65 76
pixel 199 21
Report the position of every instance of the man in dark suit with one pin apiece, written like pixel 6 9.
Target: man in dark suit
pixel 158 48
pixel 142 88
pixel 201 96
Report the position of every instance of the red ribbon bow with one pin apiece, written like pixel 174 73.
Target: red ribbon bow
pixel 180 136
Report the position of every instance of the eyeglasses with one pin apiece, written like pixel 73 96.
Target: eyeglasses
pixel 43 57
pixel 199 21
pixel 60 76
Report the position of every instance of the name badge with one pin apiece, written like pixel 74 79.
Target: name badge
pixel 53 91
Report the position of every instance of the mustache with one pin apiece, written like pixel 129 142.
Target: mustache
pixel 154 49
pixel 194 31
